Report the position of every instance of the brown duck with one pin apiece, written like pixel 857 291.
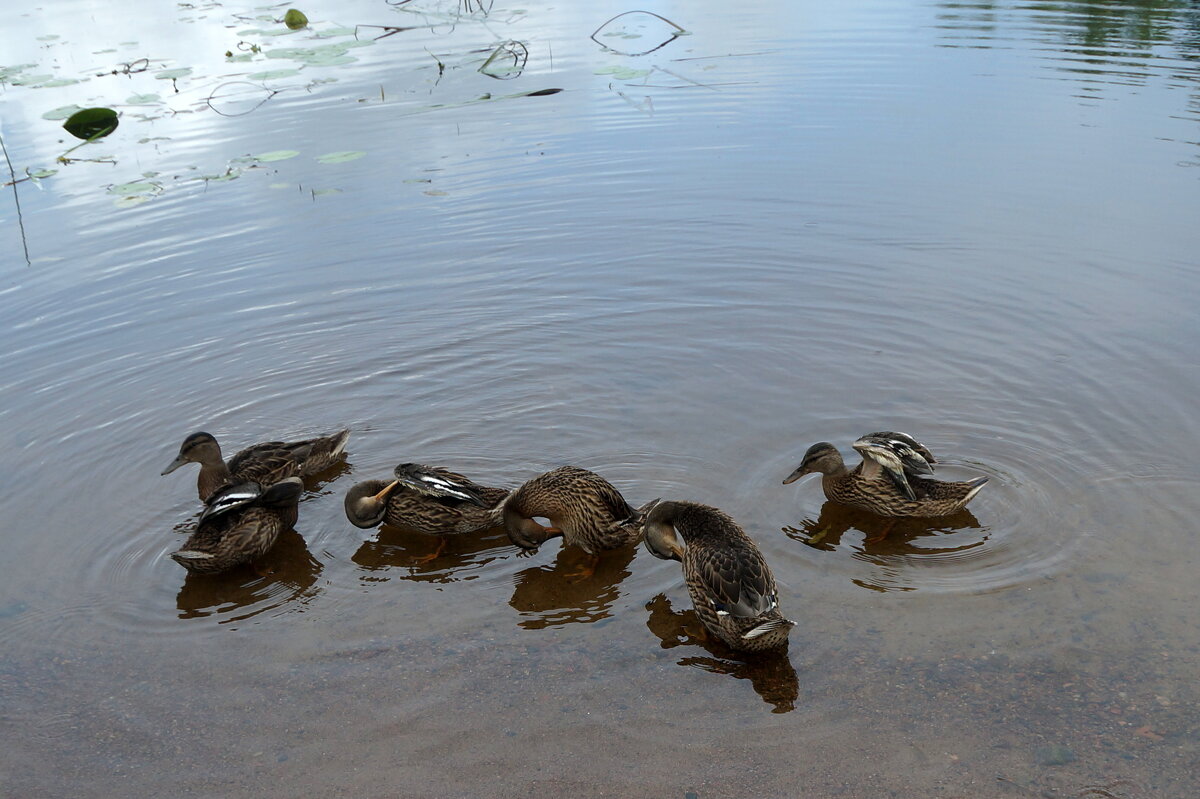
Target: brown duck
pixel 731 585
pixel 889 481
pixel 239 524
pixel 584 508
pixel 427 499
pixel 265 463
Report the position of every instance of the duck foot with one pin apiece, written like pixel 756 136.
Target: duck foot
pixel 586 569
pixel 887 528
pixel 432 555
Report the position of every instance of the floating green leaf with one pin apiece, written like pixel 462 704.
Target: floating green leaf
pixel 329 60
pixel 130 200
pixel 277 155
pixel 91 123
pixel 135 187
pixel 274 74
pixel 143 99
pixel 172 74
pixel 321 192
pixel 62 112
pixel 31 80
pixel 43 173
pixel 340 157
pixel 623 73
pixel 295 20
pixel 56 82
pixel 227 175
pixel 49 37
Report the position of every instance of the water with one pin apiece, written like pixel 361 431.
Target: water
pixel 974 222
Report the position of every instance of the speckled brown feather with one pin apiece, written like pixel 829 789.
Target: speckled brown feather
pixel 588 509
pixel 731 585
pixel 882 496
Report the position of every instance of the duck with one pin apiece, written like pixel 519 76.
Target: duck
pixel 730 583
pixel 584 509
pixel 266 463
pixel 890 480
pixel 241 522
pixel 427 499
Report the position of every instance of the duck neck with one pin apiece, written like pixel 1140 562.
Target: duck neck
pixel 212 477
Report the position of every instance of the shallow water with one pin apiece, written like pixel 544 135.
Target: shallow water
pixel 971 221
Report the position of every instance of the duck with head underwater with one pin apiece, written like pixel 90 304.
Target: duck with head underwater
pixel 731 585
pixel 584 509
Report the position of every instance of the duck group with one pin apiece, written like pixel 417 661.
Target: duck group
pixel 254 496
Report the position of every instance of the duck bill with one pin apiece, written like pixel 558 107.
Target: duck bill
pixel 794 476
pixel 383 495
pixel 175 464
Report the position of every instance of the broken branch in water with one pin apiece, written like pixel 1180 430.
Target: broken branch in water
pixel 17 200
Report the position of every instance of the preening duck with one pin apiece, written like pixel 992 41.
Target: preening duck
pixel 890 480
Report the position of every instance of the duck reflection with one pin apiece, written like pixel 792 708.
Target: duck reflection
pixel 286 573
pixel 547 596
pixel 891 545
pixel 771 674
pixel 884 536
pixel 428 558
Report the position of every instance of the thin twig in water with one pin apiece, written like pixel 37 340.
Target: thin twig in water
pixel 17 200
pixel 391 30
pixel 685 80
pixel 727 55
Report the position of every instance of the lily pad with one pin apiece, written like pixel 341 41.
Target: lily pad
pixel 62 112
pixel 43 173
pixel 130 200
pixel 172 74
pixel 294 19
pixel 274 74
pixel 277 155
pixel 91 123
pixel 31 80
pixel 143 99
pixel 623 73
pixel 56 82
pixel 340 157
pixel 135 187
pixel 330 60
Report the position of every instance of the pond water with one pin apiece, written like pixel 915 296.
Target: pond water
pixel 975 222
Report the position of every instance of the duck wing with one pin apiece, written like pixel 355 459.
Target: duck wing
pixel 735 580
pixel 229 498
pixel 432 481
pixel 900 455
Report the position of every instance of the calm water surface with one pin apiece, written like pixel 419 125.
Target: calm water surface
pixel 799 222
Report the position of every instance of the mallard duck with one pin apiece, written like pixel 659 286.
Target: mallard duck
pixel 731 585
pixel 584 508
pixel 427 499
pixel 265 463
pixel 887 481
pixel 239 524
